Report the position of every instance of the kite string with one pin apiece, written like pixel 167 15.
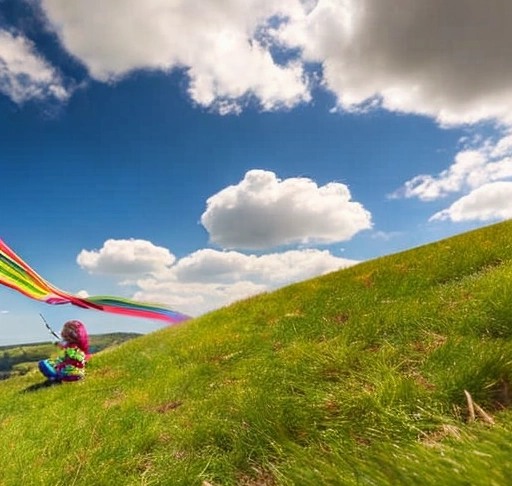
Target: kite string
pixel 49 328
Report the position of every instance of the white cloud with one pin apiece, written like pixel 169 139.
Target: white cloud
pixel 208 279
pixel 412 56
pixel 216 41
pixel 488 202
pixel 491 161
pixel 196 299
pixel 126 257
pixel 480 171
pixel 208 266
pixel 263 211
pixel 434 57
pixel 24 74
pixel 470 170
pixel 4 312
pixel 281 211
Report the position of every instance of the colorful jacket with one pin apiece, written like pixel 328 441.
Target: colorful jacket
pixel 71 363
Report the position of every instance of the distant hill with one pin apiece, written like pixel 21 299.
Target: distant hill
pixel 392 372
pixel 19 359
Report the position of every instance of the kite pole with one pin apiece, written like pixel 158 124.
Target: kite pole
pixel 49 328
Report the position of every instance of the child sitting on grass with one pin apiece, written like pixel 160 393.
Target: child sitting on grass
pixel 70 365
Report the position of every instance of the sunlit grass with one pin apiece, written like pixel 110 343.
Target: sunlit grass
pixel 358 377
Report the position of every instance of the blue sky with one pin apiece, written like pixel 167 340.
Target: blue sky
pixel 198 152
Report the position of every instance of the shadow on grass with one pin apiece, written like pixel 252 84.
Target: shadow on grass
pixel 39 386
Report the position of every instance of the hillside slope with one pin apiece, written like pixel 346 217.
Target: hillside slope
pixel 354 378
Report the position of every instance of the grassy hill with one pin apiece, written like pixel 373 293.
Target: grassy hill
pixel 396 371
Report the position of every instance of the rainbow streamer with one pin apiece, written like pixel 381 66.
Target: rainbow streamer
pixel 16 274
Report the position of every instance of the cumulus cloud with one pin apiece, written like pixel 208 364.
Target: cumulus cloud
pixel 488 202
pixel 471 169
pixel 206 279
pixel 195 299
pixel 219 43
pixel 431 57
pixel 208 266
pixel 24 74
pixel 126 257
pixel 434 58
pixel 263 211
pixel 477 171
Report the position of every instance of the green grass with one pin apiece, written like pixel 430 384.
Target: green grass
pixel 354 378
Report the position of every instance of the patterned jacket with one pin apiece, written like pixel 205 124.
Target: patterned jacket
pixel 71 363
